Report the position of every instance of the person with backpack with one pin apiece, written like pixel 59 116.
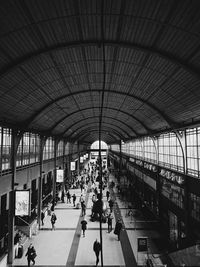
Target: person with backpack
pixel 97 249
pixel 31 254
pixel 84 226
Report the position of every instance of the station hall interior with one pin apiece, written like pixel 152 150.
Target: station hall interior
pixel 100 99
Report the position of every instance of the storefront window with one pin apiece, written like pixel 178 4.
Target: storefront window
pixel 173 227
pixel 6 149
pixel 195 206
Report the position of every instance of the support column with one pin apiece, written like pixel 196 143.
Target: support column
pixel 68 167
pixel 55 166
pixel 78 162
pixel 39 209
pixel 11 213
pixel 120 162
pixel 63 167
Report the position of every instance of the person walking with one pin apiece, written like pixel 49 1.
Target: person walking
pixel 42 217
pixel 31 254
pixel 63 196
pixel 74 199
pixel 97 249
pixel 68 197
pixel 111 204
pixel 53 220
pixel 110 218
pixel 84 226
pixel 83 208
pixel 107 194
pixel 118 228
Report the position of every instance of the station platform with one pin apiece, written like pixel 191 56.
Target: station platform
pixel 66 246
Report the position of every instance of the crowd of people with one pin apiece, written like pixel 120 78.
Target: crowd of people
pixel 100 210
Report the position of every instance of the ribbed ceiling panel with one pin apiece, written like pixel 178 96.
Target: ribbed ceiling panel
pixel 51 67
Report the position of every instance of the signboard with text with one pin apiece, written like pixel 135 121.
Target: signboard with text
pixel 22 202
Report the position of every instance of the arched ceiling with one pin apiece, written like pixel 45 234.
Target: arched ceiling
pixel 66 63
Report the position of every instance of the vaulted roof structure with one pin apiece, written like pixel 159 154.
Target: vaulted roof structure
pixel 126 68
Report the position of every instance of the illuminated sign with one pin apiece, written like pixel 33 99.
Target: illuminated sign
pixel 22 202
pixel 73 166
pixel 81 159
pixel 59 176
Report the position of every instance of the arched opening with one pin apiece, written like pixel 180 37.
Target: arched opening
pixel 94 155
pixel 95 145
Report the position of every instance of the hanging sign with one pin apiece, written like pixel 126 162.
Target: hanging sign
pixel 22 202
pixel 59 176
pixel 73 166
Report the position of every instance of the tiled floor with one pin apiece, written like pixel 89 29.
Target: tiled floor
pixel 67 247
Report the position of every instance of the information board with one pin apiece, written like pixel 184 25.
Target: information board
pixel 142 244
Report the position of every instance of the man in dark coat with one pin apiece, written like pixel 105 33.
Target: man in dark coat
pixel 111 204
pixel 31 254
pixel 74 199
pixel 84 226
pixel 110 218
pixel 118 228
pixel 97 249
pixel 42 217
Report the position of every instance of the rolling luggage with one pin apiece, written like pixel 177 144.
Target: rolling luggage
pixel 20 251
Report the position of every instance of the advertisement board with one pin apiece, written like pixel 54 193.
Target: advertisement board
pixel 81 159
pixel 59 176
pixel 73 166
pixel 22 202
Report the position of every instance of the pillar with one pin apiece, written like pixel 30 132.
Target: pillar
pixel 42 144
pixel 78 162
pixel 55 168
pixel 11 214
pixel 120 161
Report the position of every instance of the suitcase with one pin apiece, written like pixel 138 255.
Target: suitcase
pixel 20 251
